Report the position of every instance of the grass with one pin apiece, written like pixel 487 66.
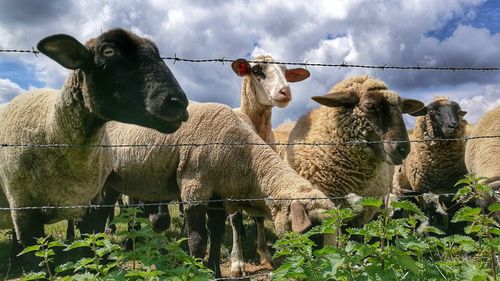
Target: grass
pixel 58 230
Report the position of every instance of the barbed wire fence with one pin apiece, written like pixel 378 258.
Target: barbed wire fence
pixel 222 61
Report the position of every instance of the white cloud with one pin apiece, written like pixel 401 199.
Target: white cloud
pixel 8 90
pixel 353 31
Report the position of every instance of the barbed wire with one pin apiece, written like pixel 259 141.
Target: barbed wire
pixel 326 143
pixel 306 64
pixel 206 202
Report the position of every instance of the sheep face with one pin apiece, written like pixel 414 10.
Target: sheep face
pixel 122 78
pixel 270 80
pixel 446 118
pixel 381 110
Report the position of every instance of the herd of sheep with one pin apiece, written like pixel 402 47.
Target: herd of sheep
pixel 121 92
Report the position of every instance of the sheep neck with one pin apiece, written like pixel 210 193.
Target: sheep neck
pixel 73 119
pixel 259 114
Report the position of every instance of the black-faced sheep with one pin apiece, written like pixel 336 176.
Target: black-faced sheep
pixel 170 171
pixel 117 76
pixel 361 110
pixel 435 165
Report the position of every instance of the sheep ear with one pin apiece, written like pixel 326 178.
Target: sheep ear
pixel 65 50
pixel 241 67
pixel 462 113
pixel 414 107
pixel 300 219
pixel 337 99
pixel 297 74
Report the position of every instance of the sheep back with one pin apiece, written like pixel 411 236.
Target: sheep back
pixel 30 119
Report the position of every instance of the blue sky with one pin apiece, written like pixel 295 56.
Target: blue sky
pixel 410 32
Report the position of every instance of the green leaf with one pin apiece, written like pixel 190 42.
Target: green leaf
pixel 56 244
pixel 433 229
pixel 34 276
pixel 29 249
pixel 495 207
pixel 78 244
pixel 369 201
pixel 405 261
pixel 407 206
pixel 466 214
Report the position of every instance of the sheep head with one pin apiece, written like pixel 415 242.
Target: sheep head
pixel 444 117
pixel 270 80
pixel 372 103
pixel 122 77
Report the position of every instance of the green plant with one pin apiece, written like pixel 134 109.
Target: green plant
pixel 154 257
pixel 403 248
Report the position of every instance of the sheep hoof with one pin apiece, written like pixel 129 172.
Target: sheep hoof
pixel 238 269
pixel 267 265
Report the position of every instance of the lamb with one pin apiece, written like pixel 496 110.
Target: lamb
pixel 362 110
pixel 170 171
pixel 480 155
pixel 264 86
pixel 116 76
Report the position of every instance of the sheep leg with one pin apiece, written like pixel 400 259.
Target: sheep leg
pixel 28 225
pixel 237 262
pixel 196 229
pixel 216 227
pixel 159 216
pixel 262 249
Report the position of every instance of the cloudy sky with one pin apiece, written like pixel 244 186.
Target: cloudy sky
pixel 376 32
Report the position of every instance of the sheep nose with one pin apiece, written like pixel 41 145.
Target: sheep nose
pixel 452 125
pixel 285 93
pixel 176 110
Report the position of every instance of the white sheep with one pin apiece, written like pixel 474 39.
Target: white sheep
pixel 264 86
pixel 481 153
pixel 169 171
pixel 360 110
pixel 117 76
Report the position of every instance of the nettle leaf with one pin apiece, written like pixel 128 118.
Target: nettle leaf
pixel 56 243
pixel 29 249
pixel 495 207
pixel 462 192
pixel 407 206
pixel 433 229
pixel 405 261
pixel 34 276
pixel 369 201
pixel 466 214
pixel 494 231
pixel 77 244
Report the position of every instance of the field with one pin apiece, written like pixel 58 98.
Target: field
pixel 393 246
pixel 9 271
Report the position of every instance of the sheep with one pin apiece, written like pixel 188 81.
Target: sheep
pixel 264 86
pixel 359 109
pixel 480 155
pixel 171 171
pixel 436 165
pixel 116 76
pixel 433 165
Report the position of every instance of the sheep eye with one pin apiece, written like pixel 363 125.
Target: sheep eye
pixel 108 52
pixel 370 107
pixel 257 69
